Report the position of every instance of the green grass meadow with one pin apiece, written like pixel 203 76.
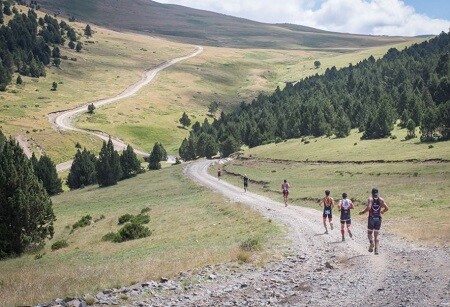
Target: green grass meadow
pixel 191 227
pixel 412 177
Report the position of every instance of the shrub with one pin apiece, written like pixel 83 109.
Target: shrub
pixel 133 231
pixel 83 222
pixel 125 218
pixel 111 236
pixel 140 219
pixel 251 245
pixel 145 210
pixel 59 244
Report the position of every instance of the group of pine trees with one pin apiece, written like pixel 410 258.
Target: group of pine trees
pixel 412 85
pixel 106 170
pixel 26 42
pixel 26 214
pixel 110 166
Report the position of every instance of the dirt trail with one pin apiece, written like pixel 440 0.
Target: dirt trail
pixel 343 273
pixel 62 120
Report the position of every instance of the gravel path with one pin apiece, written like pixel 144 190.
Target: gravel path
pixel 318 270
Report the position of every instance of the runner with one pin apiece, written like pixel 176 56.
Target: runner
pixel 285 188
pixel 345 205
pixel 375 204
pixel 219 173
pixel 245 183
pixel 328 203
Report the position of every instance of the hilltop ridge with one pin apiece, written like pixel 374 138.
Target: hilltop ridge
pixel 195 26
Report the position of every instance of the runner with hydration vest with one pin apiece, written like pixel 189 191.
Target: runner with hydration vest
pixel 345 205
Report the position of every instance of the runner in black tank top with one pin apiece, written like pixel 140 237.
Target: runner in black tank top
pixel 376 206
pixel 328 203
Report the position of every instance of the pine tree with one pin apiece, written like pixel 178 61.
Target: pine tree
pixel 46 172
pixel 108 166
pixel 82 172
pixel 131 166
pixel 26 214
pixel 79 47
pixel 229 146
pixel 157 155
pixel 88 31
pixel 184 120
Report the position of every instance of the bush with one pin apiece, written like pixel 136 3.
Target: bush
pixel 59 244
pixel 251 245
pixel 145 210
pixel 133 231
pixel 140 219
pixel 83 222
pixel 111 236
pixel 125 218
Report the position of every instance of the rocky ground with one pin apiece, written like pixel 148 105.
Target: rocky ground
pixel 318 269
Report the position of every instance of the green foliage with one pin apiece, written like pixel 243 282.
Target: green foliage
pixel 187 149
pixel 317 64
pixel 88 31
pixel 213 107
pixel 91 108
pixel 125 218
pixel 132 231
pixel 112 236
pixel 206 146
pixel 131 166
pixel 82 172
pixel 185 120
pixel 19 80
pixel 251 244
pixel 54 86
pixel 83 222
pixel 26 215
pixel 412 83
pixel 59 244
pixel 109 170
pixel 45 170
pixel 229 146
pixel 78 47
pixel 157 155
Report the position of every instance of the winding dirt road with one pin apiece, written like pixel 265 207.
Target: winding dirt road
pixel 62 120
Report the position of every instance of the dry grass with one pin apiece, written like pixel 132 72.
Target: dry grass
pixel 191 227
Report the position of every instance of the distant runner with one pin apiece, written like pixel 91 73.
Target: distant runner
pixel 376 206
pixel 345 205
pixel 285 188
pixel 328 203
pixel 219 173
pixel 245 183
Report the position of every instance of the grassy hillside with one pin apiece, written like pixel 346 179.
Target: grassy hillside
pixel 415 187
pixel 191 227
pixel 206 28
pixel 110 61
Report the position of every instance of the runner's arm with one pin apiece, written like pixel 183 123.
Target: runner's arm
pixel 366 208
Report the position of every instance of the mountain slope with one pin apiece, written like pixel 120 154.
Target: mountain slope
pixel 202 27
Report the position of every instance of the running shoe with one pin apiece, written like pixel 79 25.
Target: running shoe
pixel 350 234
pixel 371 247
pixel 343 239
pixel 331 225
pixel 376 251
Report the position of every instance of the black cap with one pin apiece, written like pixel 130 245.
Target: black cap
pixel 374 191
